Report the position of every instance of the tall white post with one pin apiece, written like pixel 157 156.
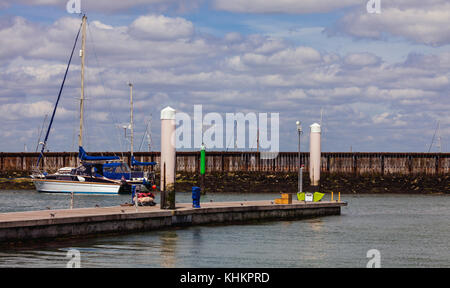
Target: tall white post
pixel 167 163
pixel 314 154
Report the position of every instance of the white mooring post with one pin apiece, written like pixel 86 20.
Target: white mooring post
pixel 168 157
pixel 314 155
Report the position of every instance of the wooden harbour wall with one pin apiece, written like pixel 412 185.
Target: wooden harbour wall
pixel 332 162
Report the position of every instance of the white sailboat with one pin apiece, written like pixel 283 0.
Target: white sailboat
pixel 78 187
pixel 88 178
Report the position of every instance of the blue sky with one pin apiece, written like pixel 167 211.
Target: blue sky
pixel 381 80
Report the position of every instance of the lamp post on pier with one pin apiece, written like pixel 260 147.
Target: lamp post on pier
pixel 300 168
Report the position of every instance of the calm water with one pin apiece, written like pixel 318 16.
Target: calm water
pixel 408 230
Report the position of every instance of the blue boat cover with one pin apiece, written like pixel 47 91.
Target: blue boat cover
pixel 134 162
pixel 113 164
pixel 83 156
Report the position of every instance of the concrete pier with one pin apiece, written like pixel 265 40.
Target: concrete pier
pixel 51 224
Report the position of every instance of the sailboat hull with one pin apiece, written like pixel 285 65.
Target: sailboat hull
pixel 61 186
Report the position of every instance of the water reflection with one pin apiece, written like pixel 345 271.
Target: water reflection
pixel 409 231
pixel 196 242
pixel 316 224
pixel 197 239
pixel 168 248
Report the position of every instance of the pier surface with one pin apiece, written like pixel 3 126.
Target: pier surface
pixel 50 224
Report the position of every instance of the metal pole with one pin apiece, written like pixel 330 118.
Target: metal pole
pixel 301 179
pixel 83 55
pixel 300 170
pixel 71 200
pixel 135 197
pixel 131 118
pixel 299 166
pixel 257 141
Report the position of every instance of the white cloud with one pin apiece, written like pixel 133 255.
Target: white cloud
pixel 437 61
pixel 296 94
pixel 399 94
pixel 27 111
pixel 39 71
pixel 282 6
pixel 233 37
pixel 270 46
pixel 100 25
pixel 335 93
pixel 427 24
pixel 108 6
pixel 16 37
pixel 99 116
pixel 287 58
pixel 159 27
pixel 361 59
pixel 226 74
pixel 389 119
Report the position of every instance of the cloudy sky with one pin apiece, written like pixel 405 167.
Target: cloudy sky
pixel 380 80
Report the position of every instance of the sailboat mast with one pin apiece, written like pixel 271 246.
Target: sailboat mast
pixel 131 117
pixel 83 55
pixel 439 137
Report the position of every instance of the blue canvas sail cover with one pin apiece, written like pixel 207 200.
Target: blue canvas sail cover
pixel 134 162
pixel 83 156
pixel 108 165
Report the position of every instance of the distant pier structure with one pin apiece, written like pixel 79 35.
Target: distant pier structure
pixel 217 161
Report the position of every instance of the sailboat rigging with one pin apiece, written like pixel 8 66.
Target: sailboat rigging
pixel 137 175
pixel 94 174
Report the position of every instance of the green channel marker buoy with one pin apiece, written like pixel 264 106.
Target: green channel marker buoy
pixel 202 168
pixel 202 160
